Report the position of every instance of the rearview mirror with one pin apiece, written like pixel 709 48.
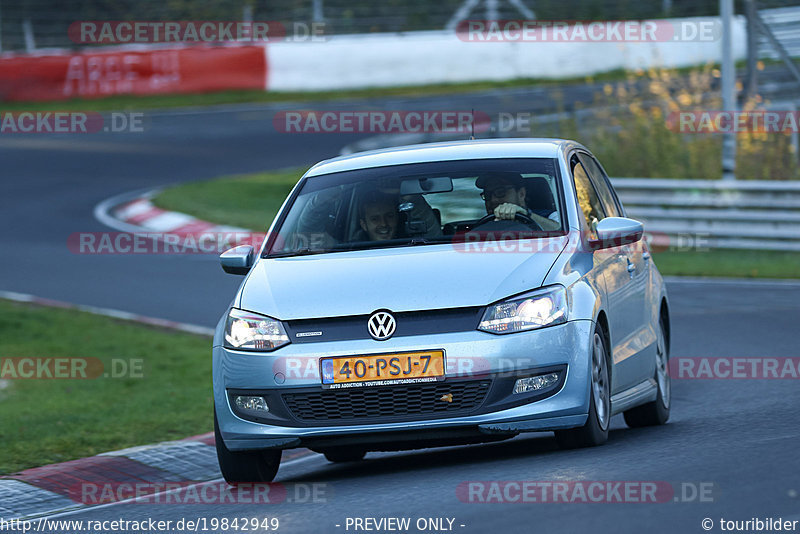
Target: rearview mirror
pixel 617 232
pixel 237 260
pixel 420 186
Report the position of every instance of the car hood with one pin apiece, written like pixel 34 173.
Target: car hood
pixel 398 279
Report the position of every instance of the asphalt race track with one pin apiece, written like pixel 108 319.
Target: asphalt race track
pixel 732 441
pixel 736 440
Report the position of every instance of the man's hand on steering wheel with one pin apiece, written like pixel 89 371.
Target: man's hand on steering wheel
pixel 521 216
pixel 508 211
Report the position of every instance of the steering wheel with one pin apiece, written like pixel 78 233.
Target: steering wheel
pixel 518 216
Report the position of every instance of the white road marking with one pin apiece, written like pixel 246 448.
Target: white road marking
pixel 167 221
pixel 108 312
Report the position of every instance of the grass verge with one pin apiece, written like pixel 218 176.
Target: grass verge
pixel 248 201
pixel 43 421
pixel 729 263
pixel 251 201
pixel 131 102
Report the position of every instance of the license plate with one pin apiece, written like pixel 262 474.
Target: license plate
pixel 382 369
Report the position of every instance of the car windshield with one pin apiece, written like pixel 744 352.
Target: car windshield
pixel 423 203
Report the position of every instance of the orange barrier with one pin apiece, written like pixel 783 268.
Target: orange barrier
pixel 160 71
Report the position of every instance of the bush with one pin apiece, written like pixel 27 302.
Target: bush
pixel 634 131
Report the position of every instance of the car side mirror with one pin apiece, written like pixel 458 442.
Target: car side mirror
pixel 616 232
pixel 237 260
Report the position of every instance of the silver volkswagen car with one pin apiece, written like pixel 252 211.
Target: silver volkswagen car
pixel 440 294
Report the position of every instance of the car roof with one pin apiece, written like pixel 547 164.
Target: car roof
pixel 447 151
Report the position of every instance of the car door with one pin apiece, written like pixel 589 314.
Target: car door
pixel 606 263
pixel 627 291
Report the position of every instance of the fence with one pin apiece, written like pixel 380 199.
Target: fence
pixel 741 215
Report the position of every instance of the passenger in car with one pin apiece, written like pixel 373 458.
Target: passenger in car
pixel 379 217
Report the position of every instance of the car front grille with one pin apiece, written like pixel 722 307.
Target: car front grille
pixel 370 404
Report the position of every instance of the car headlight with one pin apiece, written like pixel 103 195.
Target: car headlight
pixel 537 309
pixel 251 331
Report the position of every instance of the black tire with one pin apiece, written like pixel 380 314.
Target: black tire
pixel 656 412
pixel 344 454
pixel 595 431
pixel 246 466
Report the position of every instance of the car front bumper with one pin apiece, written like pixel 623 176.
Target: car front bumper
pixel 470 355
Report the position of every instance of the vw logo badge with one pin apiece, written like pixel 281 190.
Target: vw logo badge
pixel 381 325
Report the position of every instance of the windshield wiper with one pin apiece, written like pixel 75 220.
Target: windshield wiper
pixel 364 245
pixel 438 240
pixel 300 252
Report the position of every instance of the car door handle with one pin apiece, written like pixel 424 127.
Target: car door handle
pixel 631 267
pixel 646 256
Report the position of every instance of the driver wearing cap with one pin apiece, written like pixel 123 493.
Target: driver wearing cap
pixel 504 194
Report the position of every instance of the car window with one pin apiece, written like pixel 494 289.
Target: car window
pixel 587 198
pixel 426 203
pixel 599 180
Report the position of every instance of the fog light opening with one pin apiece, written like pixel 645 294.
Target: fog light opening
pixel 536 383
pixel 251 404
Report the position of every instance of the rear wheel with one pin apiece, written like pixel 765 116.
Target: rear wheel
pixel 595 431
pixel 246 466
pixel 656 412
pixel 344 454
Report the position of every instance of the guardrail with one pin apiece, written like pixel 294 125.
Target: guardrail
pixel 784 22
pixel 715 214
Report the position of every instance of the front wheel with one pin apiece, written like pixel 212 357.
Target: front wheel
pixel 246 466
pixel 656 412
pixel 595 431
